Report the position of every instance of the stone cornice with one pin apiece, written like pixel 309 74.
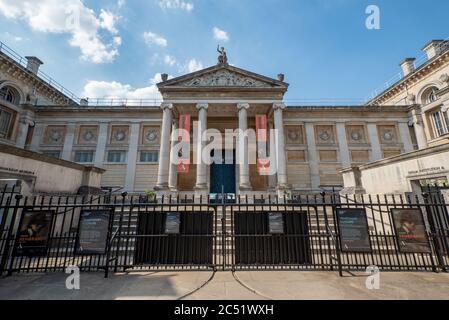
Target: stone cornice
pixel 410 79
pixel 8 149
pixel 21 73
pixel 407 156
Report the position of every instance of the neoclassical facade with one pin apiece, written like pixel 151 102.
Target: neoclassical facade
pixel 133 142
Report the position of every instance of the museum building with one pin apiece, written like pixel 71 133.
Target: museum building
pixel 395 143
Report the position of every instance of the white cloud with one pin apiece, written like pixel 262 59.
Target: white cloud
pixel 85 27
pixel 116 90
pixel 220 34
pixel 193 65
pixel 121 3
pixel 108 20
pixel 176 4
pixel 154 39
pixel 169 60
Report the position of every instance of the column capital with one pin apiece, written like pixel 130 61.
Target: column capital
pixel 279 106
pixel 202 105
pixel 167 106
pixel 242 105
pixel 445 106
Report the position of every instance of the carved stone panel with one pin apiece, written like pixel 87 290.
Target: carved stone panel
pixel 388 134
pixel 54 135
pixel 88 135
pixel 356 134
pixel 119 135
pixel 294 135
pixel 325 134
pixel 150 135
pixel 223 78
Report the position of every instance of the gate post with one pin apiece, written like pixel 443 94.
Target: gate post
pixel 432 233
pixel 6 252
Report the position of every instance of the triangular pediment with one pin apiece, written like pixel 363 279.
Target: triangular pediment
pixel 223 76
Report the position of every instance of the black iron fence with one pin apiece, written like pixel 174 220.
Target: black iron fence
pixel 115 233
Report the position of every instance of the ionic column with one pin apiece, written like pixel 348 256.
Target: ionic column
pixel 173 174
pixel 201 169
pixel 164 151
pixel 280 144
pixel 245 183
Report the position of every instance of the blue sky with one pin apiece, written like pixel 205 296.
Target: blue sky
pixel 118 47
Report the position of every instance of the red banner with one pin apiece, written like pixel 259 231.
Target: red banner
pixel 184 136
pixel 263 162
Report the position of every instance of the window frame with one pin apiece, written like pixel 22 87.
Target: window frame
pixel 439 129
pixel 92 152
pixel 10 91
pixel 6 134
pixel 48 153
pixel 155 155
pixel 122 160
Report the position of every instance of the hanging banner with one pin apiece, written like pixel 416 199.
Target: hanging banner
pixel 184 137
pixel 263 162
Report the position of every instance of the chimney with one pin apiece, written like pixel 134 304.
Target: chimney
pixel 408 66
pixel 434 48
pixel 164 77
pixel 33 64
pixel 84 102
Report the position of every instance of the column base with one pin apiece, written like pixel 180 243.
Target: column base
pixel 245 187
pixel 200 187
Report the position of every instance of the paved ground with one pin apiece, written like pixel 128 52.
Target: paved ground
pixel 250 285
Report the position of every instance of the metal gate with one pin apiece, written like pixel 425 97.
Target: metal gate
pixel 173 233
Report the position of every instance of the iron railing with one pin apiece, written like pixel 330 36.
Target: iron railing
pixel 226 235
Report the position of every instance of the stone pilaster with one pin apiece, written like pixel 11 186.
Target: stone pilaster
pixel 406 140
pixel 376 151
pixel 345 157
pixel 132 157
pixel 68 142
pixel 101 144
pixel 312 153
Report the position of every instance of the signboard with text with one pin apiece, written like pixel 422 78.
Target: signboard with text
pixel 93 234
pixel 410 231
pixel 353 229
pixel 34 233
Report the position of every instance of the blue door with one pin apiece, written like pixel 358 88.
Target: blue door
pixel 222 176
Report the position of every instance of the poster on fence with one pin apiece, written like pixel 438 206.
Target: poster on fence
pixel 276 223
pixel 34 233
pixel 93 232
pixel 173 223
pixel 410 231
pixel 354 231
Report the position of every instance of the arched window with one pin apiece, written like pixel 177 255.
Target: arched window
pixel 10 94
pixel 430 95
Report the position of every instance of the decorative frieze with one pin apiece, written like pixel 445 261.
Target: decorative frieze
pixel 119 135
pixel 54 135
pixel 325 134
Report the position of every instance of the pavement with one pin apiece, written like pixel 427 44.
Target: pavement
pixel 248 285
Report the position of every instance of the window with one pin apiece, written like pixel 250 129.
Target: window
pixel 437 121
pixel 5 122
pixel 446 119
pixel 10 94
pixel 149 156
pixel 117 156
pixel 54 154
pixel 430 95
pixel 84 156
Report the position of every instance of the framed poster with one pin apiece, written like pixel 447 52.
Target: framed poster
pixel 354 230
pixel 173 223
pixel 410 230
pixel 34 233
pixel 276 223
pixel 93 232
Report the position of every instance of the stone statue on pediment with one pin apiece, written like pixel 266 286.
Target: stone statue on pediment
pixel 222 58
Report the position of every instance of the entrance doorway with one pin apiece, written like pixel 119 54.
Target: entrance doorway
pixel 222 173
